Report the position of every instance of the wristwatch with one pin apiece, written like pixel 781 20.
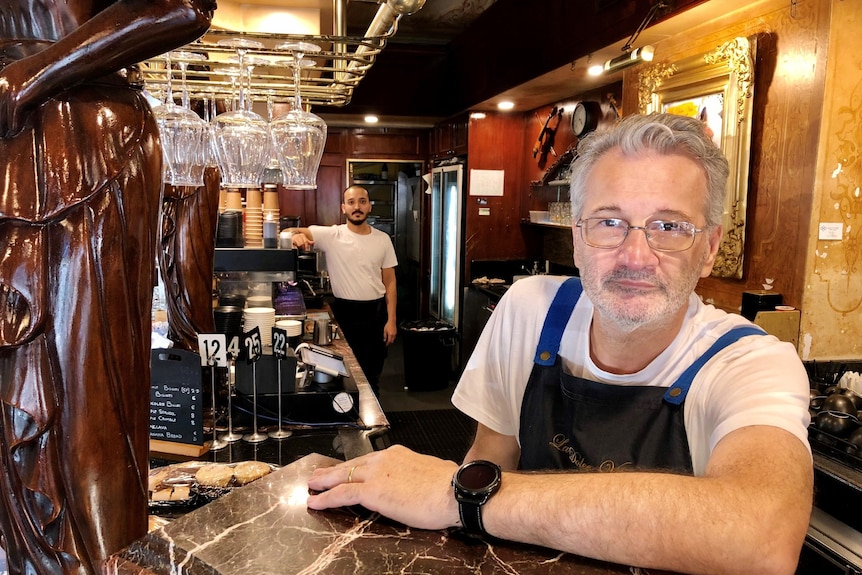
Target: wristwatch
pixel 474 483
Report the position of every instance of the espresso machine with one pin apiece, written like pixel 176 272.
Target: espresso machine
pixel 312 277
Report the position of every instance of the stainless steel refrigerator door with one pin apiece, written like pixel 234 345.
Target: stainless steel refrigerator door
pixel 446 195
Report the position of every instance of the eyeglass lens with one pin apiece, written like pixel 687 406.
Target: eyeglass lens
pixel 660 235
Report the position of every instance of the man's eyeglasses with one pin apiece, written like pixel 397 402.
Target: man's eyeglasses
pixel 609 233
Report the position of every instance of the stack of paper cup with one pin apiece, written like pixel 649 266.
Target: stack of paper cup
pixel 253 218
pixel 262 318
pixel 293 327
pixel 222 200
pixel 233 200
pixel 270 201
pixel 258 301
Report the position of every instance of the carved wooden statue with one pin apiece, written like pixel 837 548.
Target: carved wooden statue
pixel 189 219
pixel 80 181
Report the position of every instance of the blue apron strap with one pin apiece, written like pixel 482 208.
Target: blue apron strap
pixel 676 393
pixel 555 322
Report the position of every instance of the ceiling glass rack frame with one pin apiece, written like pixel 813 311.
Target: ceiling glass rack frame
pixel 328 81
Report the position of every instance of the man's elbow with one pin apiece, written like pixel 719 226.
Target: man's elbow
pixel 778 543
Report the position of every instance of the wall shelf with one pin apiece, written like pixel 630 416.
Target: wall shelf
pixel 547 225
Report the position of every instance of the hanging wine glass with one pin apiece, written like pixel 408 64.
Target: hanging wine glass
pixel 299 136
pixel 206 153
pixel 272 174
pixel 181 130
pixel 241 136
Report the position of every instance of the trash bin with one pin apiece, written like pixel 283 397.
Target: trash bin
pixel 428 350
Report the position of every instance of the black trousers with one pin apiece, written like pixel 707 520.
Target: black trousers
pixel 362 324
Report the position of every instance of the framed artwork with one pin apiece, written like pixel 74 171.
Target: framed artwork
pixel 718 88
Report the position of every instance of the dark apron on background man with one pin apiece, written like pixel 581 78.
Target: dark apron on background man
pixel 569 422
pixel 362 324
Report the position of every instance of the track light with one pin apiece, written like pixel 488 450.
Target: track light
pixel 631 57
pixel 636 56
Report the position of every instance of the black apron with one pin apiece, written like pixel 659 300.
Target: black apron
pixel 568 422
pixel 362 324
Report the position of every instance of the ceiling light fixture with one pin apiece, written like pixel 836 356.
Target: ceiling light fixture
pixel 630 57
pixel 371 119
pixel 477 116
pixel 505 105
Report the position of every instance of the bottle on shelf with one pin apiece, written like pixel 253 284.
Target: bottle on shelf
pixel 384 172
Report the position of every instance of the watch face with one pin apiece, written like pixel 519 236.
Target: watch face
pixel 477 476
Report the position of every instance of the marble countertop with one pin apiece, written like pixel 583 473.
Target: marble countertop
pixel 265 528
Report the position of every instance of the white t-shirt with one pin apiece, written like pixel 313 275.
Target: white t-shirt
pixel 355 261
pixel 758 380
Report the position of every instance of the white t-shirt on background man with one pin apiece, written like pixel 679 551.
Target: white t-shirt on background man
pixel 355 261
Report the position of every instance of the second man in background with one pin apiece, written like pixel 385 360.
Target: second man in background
pixel 361 263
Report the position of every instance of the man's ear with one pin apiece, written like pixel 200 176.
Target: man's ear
pixel 713 238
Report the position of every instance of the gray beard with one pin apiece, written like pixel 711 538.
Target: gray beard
pixel 603 293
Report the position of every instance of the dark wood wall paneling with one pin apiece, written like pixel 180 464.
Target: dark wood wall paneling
pixel 542 242
pixel 496 142
pixel 323 205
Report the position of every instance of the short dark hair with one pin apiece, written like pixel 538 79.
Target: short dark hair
pixel 353 188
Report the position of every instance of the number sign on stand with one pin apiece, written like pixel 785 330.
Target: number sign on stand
pixel 213 352
pixel 253 349
pixel 279 350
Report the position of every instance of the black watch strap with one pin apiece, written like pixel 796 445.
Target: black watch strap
pixel 471 518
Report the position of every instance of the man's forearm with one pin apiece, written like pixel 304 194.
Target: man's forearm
pixel 735 522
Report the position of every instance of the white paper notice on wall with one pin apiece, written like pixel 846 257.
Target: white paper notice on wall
pixel 830 231
pixel 486 182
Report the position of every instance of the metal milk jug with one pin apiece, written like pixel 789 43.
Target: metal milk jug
pixel 322 333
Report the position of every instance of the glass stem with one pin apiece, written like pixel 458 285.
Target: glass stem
pixel 183 67
pixel 297 74
pixel 169 96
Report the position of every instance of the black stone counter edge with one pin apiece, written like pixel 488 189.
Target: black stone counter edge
pixel 266 527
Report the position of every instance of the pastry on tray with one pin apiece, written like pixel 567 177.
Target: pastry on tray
pixel 197 482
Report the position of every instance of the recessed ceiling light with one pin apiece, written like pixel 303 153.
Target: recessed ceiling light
pixel 371 119
pixel 506 105
pixel 477 115
pixel 595 70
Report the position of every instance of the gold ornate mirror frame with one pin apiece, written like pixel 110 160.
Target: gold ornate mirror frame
pixel 717 87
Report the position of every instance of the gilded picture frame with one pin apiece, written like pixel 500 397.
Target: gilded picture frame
pixel 717 87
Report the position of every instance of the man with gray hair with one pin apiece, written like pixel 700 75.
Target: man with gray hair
pixel 672 418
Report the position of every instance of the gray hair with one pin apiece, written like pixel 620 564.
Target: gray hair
pixel 662 133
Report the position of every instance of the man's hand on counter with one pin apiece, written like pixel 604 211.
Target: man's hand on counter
pixel 408 487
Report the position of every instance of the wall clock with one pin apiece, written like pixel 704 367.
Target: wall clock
pixel 585 117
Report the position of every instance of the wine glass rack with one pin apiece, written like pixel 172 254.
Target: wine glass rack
pixel 337 69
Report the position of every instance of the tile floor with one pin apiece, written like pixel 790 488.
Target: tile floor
pixel 394 392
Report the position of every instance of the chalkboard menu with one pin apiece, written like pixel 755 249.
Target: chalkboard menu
pixel 176 397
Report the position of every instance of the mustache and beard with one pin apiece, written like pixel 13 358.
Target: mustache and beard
pixel 357 217
pixel 633 308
